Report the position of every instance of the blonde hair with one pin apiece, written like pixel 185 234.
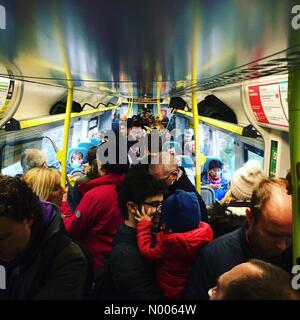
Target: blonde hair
pixel 228 198
pixel 43 181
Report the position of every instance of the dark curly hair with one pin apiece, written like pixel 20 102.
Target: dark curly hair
pixel 17 200
pixel 136 188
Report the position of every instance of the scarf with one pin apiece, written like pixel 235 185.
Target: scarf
pixel 212 180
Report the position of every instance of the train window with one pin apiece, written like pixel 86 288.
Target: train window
pixel 49 150
pixel 219 144
pixel 56 134
pixel 79 132
pixel 12 153
pixel 13 169
pixel 252 152
pixel 233 150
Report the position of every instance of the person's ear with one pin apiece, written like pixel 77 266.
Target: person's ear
pixel 28 221
pixel 131 207
pixel 249 216
pixel 175 174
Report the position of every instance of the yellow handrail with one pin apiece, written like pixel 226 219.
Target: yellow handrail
pixel 59 117
pixel 231 127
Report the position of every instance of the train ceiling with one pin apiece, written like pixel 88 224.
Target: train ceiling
pixel 138 48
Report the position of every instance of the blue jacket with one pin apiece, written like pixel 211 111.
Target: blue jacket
pixel 220 256
pixel 220 193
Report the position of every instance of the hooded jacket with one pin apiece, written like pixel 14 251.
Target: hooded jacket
pixel 97 217
pixel 174 253
pixel 51 267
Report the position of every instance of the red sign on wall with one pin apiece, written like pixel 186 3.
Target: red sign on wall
pixel 269 103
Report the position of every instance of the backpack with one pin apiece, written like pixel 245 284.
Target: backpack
pixel 60 107
pixel 177 103
pixel 213 107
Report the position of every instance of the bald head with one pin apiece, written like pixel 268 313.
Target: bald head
pixel 271 192
pixel 164 167
pixel 270 220
pixel 255 280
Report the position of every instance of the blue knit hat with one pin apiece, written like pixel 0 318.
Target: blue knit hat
pixel 181 211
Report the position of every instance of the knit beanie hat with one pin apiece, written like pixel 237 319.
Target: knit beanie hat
pixel 181 211
pixel 245 179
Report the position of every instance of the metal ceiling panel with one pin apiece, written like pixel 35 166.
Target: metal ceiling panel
pixel 130 47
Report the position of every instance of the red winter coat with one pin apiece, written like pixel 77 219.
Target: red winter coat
pixel 97 217
pixel 175 254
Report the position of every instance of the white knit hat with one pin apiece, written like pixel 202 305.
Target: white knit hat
pixel 245 179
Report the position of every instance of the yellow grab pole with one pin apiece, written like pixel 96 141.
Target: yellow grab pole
pixel 158 101
pixel 197 140
pixel 66 133
pixel 194 102
pixel 62 155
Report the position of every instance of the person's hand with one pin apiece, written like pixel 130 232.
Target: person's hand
pixel 215 186
pixel 142 216
pixel 65 195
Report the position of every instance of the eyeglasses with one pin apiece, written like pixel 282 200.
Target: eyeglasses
pixel 165 179
pixel 154 204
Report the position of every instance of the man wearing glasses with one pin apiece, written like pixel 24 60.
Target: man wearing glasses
pixel 164 167
pixel 131 276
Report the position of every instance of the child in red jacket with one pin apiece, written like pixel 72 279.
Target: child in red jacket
pixel 177 245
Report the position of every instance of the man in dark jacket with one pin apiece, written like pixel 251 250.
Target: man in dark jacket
pixel 38 261
pixel 266 236
pixel 165 168
pixel 129 275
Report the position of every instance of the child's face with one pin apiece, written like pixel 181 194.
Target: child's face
pixel 215 173
pixel 78 160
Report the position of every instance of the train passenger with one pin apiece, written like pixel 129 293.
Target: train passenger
pixel 266 236
pixel 164 167
pixel 74 195
pixel 167 136
pixel 172 147
pixel 46 184
pixel 254 280
pixel 75 162
pixel 92 170
pixel 123 128
pixel 135 134
pixel 151 146
pixel 177 245
pixel 185 138
pixel 165 119
pixel 190 150
pixel 135 127
pixel 40 261
pixel 230 213
pixel 33 158
pixel 97 217
pixel 128 275
pixel 214 179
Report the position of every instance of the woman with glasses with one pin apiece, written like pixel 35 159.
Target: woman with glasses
pixel 213 178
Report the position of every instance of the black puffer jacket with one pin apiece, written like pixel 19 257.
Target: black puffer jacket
pixel 53 267
pixel 128 275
